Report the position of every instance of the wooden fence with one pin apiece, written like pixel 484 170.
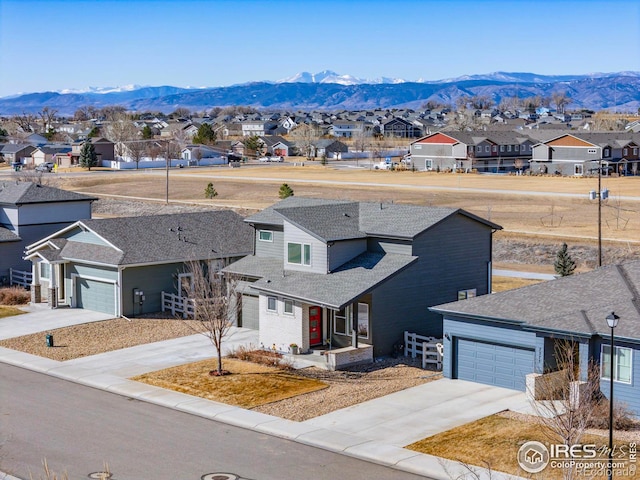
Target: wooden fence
pixel 19 277
pixel 178 305
pixel 430 348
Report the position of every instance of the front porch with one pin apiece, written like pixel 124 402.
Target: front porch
pixel 331 360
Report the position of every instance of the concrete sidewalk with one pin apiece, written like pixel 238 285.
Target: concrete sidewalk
pixel 374 431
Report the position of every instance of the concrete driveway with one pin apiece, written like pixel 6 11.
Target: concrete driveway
pixel 40 318
pixel 415 413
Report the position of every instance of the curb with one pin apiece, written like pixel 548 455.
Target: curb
pixel 346 444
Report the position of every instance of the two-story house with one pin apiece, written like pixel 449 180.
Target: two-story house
pixel 336 273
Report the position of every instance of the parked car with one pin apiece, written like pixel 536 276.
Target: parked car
pixel 44 167
pixel 264 159
pixel 277 159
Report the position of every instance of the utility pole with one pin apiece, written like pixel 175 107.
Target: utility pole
pixel 600 195
pixel 168 160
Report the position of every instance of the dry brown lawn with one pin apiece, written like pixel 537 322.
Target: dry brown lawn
pixel 249 385
pixel 6 311
pixel 493 442
pixel 99 337
pixel 549 215
pixel 500 284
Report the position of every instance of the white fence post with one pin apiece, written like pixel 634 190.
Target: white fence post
pixel 20 277
pixel 430 348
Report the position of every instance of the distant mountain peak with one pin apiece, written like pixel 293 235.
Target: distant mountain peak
pixel 329 76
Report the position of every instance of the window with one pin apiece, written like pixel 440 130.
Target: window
pixel 516 148
pixel 606 153
pixel 502 148
pixel 486 149
pixel 299 253
pixel 578 169
pixel 464 294
pixel 621 364
pixel 45 270
pixel 340 323
pixel 635 150
pixel 288 306
pixel 478 149
pixel 265 236
pixel 508 148
pixel 272 304
pixel 592 150
pixel 363 320
pixel 428 164
pixel 625 151
pixel 494 148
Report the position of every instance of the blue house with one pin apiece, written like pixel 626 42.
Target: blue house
pixel 499 339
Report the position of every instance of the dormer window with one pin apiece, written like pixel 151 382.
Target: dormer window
pixel 299 253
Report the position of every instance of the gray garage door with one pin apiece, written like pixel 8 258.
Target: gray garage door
pixel 250 312
pixel 493 364
pixel 95 295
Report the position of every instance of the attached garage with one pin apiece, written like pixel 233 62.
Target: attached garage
pixel 95 295
pixel 495 364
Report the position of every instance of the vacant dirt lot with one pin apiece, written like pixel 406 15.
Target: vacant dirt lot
pixel 537 213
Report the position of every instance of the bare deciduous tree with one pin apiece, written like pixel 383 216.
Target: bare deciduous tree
pixel 120 130
pixel 305 136
pixel 137 150
pixel 216 303
pixel 47 116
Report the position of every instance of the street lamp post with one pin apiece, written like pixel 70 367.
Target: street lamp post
pixel 612 321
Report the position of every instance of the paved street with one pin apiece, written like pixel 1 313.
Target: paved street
pixel 77 429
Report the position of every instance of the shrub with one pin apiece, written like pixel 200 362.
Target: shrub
pixel 14 296
pixel 261 357
pixel 623 419
pixel 210 191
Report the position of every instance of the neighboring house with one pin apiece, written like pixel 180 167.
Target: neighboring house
pixel 347 128
pixel 499 339
pixel 324 269
pixel 16 152
pixel 276 146
pixel 121 265
pixel 400 128
pixel 105 150
pixel 28 212
pixel 487 152
pixel 567 155
pixel 208 155
pixel 329 147
pixel 51 154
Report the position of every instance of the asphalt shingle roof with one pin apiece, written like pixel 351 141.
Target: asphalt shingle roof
pixel 163 238
pixel 353 279
pixel 20 193
pixel 578 304
pixel 338 220
pixel 7 235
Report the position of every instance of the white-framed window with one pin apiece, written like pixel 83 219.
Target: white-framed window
pixel 606 153
pixel 578 169
pixel 288 306
pixel 45 271
pixel 341 323
pixel 625 151
pixel 272 304
pixel 502 148
pixel 478 149
pixel 265 236
pixel 592 150
pixel 428 164
pixel 486 149
pixel 494 148
pixel 516 148
pixel 464 294
pixel 363 320
pixel 299 253
pixel 635 150
pixel 622 362
pixel 508 148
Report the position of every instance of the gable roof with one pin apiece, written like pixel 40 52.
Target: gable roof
pixel 330 220
pixel 21 193
pixel 577 304
pixel 157 238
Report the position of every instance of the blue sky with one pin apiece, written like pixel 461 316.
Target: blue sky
pixel 58 44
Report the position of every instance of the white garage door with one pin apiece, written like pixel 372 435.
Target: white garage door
pixel 493 364
pixel 95 295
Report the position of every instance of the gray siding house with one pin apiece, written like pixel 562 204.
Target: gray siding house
pixel 29 212
pixel 499 339
pixel 121 265
pixel 329 273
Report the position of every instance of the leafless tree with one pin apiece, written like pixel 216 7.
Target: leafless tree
pixel 47 116
pixel 120 130
pixel 216 303
pixel 561 99
pixel 26 122
pixel 198 154
pixel 563 402
pixel 305 136
pixel 137 150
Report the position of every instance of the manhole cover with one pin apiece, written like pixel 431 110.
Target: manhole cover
pixel 220 476
pixel 100 475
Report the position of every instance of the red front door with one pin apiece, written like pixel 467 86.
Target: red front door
pixel 315 326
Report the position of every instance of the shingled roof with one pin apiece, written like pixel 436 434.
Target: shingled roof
pixel 161 238
pixel 577 304
pixel 21 193
pixel 339 220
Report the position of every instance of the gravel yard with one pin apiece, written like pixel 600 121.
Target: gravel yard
pixel 350 387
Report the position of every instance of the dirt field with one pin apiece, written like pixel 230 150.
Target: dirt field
pixel 537 213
